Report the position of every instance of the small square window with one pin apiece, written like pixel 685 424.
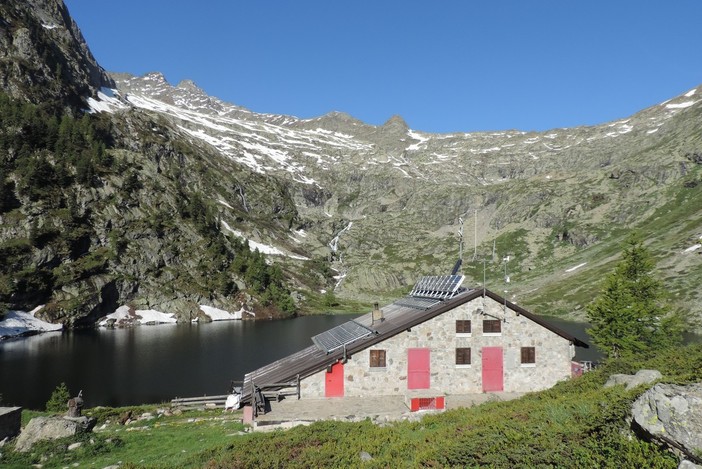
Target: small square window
pixel 463 356
pixel 463 326
pixel 377 358
pixel 528 355
pixel 492 326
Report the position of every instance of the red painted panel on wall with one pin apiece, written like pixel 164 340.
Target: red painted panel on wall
pixel 427 403
pixel 493 378
pixel 334 381
pixel 418 368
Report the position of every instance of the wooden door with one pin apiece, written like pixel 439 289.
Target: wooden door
pixel 334 381
pixel 493 376
pixel 418 368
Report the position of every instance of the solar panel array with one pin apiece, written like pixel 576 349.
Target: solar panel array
pixel 340 335
pixel 416 302
pixel 439 287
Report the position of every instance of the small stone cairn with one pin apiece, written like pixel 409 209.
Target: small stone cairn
pixel 75 406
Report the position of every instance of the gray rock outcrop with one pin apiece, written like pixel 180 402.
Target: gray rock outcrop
pixel 672 414
pixel 631 381
pixel 685 464
pixel 44 56
pixel 51 428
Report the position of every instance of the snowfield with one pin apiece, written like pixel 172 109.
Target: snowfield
pixel 222 315
pixel 125 317
pixel 22 323
pixel 262 248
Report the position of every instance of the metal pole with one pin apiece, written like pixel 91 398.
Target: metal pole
pixel 460 240
pixel 475 235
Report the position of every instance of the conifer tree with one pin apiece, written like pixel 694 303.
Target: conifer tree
pixel 630 316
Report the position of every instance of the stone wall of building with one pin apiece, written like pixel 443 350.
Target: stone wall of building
pixel 553 355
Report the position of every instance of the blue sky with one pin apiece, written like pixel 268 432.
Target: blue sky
pixel 443 66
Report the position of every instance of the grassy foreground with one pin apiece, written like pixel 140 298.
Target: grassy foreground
pixel 577 423
pixel 153 439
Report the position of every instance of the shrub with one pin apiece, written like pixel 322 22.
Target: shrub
pixel 58 402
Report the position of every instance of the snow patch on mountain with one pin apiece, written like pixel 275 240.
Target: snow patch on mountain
pixel 416 136
pixel 216 314
pixel 107 101
pixel 576 267
pixel 21 323
pixel 124 316
pixel 682 105
pixel 262 248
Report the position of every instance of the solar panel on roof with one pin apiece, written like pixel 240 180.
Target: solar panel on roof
pixel 417 303
pixel 340 335
pixel 440 287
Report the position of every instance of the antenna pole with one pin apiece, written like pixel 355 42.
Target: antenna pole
pixel 460 239
pixel 475 235
pixel 506 260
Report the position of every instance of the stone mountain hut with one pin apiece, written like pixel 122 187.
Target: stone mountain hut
pixel 440 339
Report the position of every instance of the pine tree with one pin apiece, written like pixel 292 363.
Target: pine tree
pixel 58 402
pixel 630 316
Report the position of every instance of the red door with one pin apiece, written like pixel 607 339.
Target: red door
pixel 418 368
pixel 334 381
pixel 492 369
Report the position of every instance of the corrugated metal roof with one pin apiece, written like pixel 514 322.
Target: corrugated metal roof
pixel 397 317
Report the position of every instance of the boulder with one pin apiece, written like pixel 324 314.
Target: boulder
pixel 631 381
pixel 685 464
pixel 51 428
pixel 672 414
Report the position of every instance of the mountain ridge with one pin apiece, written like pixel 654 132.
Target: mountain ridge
pixel 622 152
pixel 182 184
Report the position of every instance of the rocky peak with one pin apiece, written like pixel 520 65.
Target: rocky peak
pixel 191 86
pixel 396 123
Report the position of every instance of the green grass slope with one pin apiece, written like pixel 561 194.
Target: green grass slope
pixel 578 423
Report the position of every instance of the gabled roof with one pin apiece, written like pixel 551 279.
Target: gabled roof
pixel 399 316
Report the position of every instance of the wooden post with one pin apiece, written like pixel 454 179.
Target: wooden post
pixel 253 401
pixel 298 386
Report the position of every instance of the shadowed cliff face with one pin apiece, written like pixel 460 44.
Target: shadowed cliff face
pixel 43 56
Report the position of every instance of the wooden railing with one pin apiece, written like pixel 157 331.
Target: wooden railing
pixel 203 401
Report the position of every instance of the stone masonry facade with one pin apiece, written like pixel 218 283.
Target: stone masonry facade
pixel 552 355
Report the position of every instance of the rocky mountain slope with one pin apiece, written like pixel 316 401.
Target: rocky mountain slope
pixel 101 211
pixel 379 204
pixel 385 202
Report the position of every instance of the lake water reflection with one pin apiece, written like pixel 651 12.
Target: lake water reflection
pixel 151 364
